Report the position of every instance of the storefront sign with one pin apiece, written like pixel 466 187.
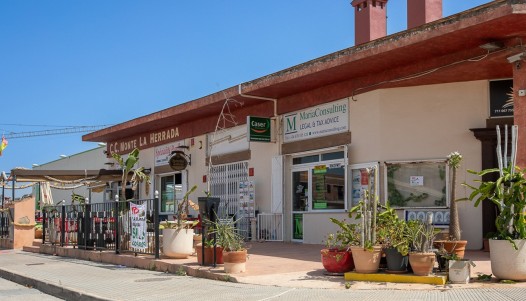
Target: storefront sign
pixel 320 169
pixel 143 141
pixel 501 104
pixel 258 129
pixel 163 153
pixel 138 226
pixel 178 161
pixel 328 119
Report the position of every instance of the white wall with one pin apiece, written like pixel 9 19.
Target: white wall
pixel 424 122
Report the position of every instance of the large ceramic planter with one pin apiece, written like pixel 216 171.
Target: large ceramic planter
pixel 506 262
pixel 209 255
pixel 396 262
pixel 457 247
pixel 235 261
pixel 178 243
pixel 366 261
pixel 337 261
pixel 422 263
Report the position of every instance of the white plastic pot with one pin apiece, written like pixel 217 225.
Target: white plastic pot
pixel 460 271
pixel 506 262
pixel 178 243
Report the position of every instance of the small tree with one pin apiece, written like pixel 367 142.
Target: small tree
pixel 138 174
pixel 453 162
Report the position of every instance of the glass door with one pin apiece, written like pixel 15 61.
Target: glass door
pixel 171 192
pixel 300 201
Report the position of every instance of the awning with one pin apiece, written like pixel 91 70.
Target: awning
pixel 102 175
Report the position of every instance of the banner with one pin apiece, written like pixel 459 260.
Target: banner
pixel 138 226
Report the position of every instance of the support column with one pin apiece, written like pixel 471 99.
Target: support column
pixel 519 107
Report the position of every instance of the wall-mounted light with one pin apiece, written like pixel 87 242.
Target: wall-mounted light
pixel 492 46
pixel 63 156
pixel 147 171
pixel 35 165
pixel 101 144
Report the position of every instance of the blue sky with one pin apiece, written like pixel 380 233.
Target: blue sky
pixel 99 62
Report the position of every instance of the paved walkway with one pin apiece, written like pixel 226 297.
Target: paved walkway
pixel 73 279
pixel 274 271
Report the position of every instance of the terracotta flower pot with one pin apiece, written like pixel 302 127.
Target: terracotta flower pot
pixel 366 261
pixel 337 261
pixel 235 261
pixel 452 246
pixel 422 263
pixel 209 255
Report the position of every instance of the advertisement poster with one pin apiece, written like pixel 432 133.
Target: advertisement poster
pixel 138 226
pixel 247 199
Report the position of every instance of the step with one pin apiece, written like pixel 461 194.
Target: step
pixel 37 242
pixel 396 278
pixel 31 249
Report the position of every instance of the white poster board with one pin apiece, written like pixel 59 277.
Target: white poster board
pixel 138 226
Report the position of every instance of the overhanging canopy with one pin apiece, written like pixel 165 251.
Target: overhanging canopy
pixel 102 175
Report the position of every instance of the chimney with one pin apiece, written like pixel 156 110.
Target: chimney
pixel 369 20
pixel 420 12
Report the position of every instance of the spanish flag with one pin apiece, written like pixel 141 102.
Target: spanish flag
pixel 3 145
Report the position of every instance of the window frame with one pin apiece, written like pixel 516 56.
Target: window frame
pixel 446 179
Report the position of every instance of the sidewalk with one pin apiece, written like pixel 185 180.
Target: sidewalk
pixel 74 279
pixel 272 263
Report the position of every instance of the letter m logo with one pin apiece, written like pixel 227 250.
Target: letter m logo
pixel 290 123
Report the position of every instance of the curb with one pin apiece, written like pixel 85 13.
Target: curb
pixel 49 288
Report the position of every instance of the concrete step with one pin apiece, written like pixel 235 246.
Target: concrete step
pixel 37 242
pixel 31 249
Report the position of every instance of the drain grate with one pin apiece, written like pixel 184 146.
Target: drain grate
pixel 152 279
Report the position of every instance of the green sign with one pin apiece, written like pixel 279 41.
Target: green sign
pixel 258 129
pixel 320 204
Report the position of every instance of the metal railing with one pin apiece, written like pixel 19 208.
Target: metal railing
pixel 270 226
pixel 100 226
pixel 5 221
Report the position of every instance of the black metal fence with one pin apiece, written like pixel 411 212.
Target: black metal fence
pixel 5 221
pixel 102 226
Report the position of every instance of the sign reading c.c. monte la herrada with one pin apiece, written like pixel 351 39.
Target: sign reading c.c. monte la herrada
pixel 258 129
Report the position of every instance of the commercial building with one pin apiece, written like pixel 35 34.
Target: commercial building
pixel 400 103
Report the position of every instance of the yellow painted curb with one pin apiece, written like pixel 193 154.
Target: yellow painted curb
pixel 396 278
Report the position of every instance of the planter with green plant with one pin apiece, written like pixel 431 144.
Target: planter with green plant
pixel 178 235
pixel 368 253
pixel 421 257
pixel 337 256
pixel 454 244
pixel 508 193
pixel 396 240
pixel 233 243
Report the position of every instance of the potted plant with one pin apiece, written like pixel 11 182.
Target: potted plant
pixel 337 256
pixel 178 235
pixel 421 257
pixel 38 231
pixel 396 242
pixel 367 255
pixel 453 244
pixel 209 253
pixel 233 243
pixel 508 193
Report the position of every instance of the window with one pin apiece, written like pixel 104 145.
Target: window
pixel 417 184
pixel 318 182
pixel 328 187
